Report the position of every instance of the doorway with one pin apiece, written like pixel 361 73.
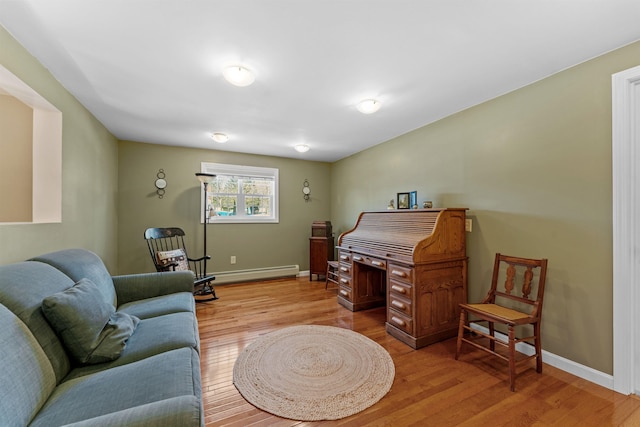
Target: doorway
pixel 626 235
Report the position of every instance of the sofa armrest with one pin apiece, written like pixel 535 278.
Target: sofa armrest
pixel 133 287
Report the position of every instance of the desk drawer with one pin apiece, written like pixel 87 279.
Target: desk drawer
pixel 345 269
pixel 398 272
pixel 400 289
pixel 400 321
pixel 374 262
pixel 344 280
pixel 400 304
pixel 345 256
pixel 345 293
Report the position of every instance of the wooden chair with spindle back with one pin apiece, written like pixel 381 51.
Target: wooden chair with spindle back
pixel 510 307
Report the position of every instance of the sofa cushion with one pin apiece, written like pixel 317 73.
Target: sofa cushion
pixel 160 305
pixel 153 336
pixel 90 328
pixel 23 286
pixel 164 376
pixel 26 376
pixel 79 264
pixel 180 411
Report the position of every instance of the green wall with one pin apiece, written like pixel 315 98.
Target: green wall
pixel 89 173
pixel 254 245
pixel 534 169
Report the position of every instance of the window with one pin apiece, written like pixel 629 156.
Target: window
pixel 242 193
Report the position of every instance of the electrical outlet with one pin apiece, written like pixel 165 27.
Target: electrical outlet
pixel 468 225
pixel 233 259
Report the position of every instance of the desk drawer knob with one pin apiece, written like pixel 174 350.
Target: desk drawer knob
pixel 344 257
pixel 378 263
pixel 398 304
pixel 398 289
pixel 398 321
pixel 398 273
pixel 345 269
pixel 357 258
pixel 345 281
pixel 343 292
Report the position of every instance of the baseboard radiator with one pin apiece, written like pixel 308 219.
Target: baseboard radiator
pixel 236 276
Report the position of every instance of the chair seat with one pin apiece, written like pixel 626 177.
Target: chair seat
pixel 500 313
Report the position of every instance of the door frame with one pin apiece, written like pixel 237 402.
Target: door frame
pixel 626 209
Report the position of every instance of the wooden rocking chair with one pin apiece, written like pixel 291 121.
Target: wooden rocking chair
pixel 169 253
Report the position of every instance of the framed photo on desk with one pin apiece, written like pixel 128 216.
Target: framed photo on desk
pixel 403 201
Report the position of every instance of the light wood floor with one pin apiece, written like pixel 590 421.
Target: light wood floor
pixel 430 387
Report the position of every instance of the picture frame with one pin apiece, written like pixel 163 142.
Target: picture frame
pixel 413 200
pixel 403 201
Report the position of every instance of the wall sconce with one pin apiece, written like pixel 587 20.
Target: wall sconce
pixel 161 183
pixel 306 190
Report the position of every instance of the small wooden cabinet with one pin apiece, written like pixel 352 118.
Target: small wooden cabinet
pixel 320 251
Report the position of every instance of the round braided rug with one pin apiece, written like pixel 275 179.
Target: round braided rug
pixel 313 373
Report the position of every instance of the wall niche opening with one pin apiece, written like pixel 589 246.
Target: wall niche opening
pixel 31 160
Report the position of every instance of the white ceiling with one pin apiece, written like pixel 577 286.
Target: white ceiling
pixel 151 70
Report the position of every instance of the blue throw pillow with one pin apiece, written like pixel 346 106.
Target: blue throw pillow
pixel 90 328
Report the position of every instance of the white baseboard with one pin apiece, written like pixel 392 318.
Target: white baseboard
pixel 584 372
pixel 236 276
pixel 581 371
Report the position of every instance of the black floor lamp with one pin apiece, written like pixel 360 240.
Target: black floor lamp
pixel 206 179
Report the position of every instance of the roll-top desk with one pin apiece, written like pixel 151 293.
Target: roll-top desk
pixel 415 262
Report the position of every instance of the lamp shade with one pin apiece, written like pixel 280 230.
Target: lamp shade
pixel 205 178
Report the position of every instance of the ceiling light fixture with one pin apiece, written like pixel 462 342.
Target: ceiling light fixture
pixel 220 137
pixel 238 75
pixel 301 148
pixel 368 106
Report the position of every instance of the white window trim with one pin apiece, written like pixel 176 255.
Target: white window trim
pixel 253 171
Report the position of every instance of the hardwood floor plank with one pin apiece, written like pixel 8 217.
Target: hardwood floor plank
pixel 430 388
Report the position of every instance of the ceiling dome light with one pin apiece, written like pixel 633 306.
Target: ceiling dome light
pixel 220 137
pixel 301 148
pixel 238 75
pixel 368 106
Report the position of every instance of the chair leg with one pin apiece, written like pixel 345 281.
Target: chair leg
pixel 326 277
pixel 536 329
pixel 460 332
pixel 492 332
pixel 512 358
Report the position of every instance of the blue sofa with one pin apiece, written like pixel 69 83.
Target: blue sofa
pixel 140 367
